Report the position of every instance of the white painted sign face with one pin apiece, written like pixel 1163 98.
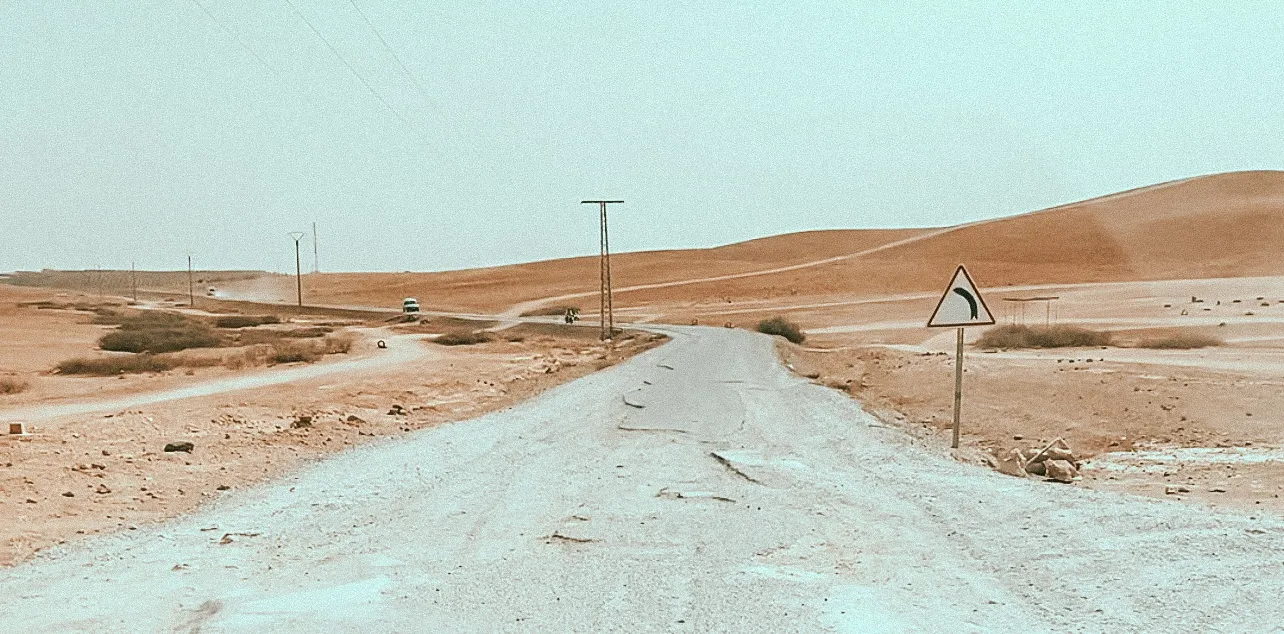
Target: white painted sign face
pixel 961 305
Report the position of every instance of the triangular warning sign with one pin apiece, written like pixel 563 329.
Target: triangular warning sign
pixel 961 305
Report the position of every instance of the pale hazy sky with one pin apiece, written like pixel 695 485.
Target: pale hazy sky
pixel 145 130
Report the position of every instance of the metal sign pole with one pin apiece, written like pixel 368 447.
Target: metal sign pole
pixel 958 387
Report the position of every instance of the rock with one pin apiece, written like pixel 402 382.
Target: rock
pixel 1010 463
pixel 301 422
pixel 1058 453
pixel 397 410
pixel 1060 470
pixel 353 418
pixel 68 494
pixel 181 445
pixel 102 488
pixel 1036 468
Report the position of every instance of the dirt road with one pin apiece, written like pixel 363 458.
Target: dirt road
pixel 697 487
pixel 402 349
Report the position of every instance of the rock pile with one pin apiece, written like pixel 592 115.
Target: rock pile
pixel 1056 462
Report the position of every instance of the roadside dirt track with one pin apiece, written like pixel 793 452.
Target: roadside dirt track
pixel 735 498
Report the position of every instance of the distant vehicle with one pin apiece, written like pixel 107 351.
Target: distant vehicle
pixel 409 305
pixel 210 292
pixel 572 315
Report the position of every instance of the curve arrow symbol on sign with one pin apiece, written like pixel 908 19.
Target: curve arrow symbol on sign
pixel 971 301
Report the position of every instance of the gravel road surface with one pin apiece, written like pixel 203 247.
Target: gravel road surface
pixel 698 487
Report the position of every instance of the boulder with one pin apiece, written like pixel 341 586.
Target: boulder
pixel 1010 463
pixel 1036 468
pixel 1060 470
pixel 181 445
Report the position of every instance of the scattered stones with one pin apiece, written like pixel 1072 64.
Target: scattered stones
pixel 1173 490
pixel 397 410
pixel 181 445
pixel 301 422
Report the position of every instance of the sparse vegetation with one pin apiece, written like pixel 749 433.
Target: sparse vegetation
pixel 462 338
pixel 152 331
pixel 783 327
pixel 1180 341
pixel 340 343
pixel 245 321
pixel 12 385
pixel 108 366
pixel 294 352
pixel 1019 336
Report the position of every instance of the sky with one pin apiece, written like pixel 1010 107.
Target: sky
pixel 431 136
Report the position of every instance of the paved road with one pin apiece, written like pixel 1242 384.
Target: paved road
pixel 736 498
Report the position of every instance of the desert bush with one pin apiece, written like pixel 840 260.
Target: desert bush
pixel 462 338
pixel 245 321
pixel 107 366
pixel 12 385
pixel 1180 341
pixel 1019 336
pixel 340 343
pixel 152 331
pixel 783 327
pixel 294 352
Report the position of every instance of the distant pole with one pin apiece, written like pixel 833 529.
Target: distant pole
pixel 191 293
pixel 298 272
pixel 958 387
pixel 316 260
pixel 606 301
pixel 133 281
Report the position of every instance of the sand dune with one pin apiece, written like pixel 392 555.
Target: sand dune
pixel 1222 225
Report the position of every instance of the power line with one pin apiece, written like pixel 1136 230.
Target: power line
pixel 387 47
pixel 354 72
pixel 227 30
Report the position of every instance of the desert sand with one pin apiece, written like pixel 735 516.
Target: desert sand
pixel 1190 256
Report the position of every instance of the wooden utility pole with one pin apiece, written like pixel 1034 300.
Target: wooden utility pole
pixel 607 307
pixel 316 259
pixel 133 281
pixel 191 293
pixel 298 272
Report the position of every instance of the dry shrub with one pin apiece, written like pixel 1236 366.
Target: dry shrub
pixel 152 331
pixel 462 338
pixel 340 343
pixel 295 352
pixel 245 321
pixel 108 366
pixel 783 327
pixel 1018 336
pixel 12 385
pixel 1180 341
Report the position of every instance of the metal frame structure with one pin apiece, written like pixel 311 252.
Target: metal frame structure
pixel 607 307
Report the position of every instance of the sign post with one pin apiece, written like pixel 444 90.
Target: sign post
pixel 961 305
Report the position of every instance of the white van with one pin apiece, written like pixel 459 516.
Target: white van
pixel 409 305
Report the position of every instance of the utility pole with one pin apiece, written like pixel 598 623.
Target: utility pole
pixel 133 281
pixel 191 294
pixel 607 310
pixel 298 273
pixel 316 261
